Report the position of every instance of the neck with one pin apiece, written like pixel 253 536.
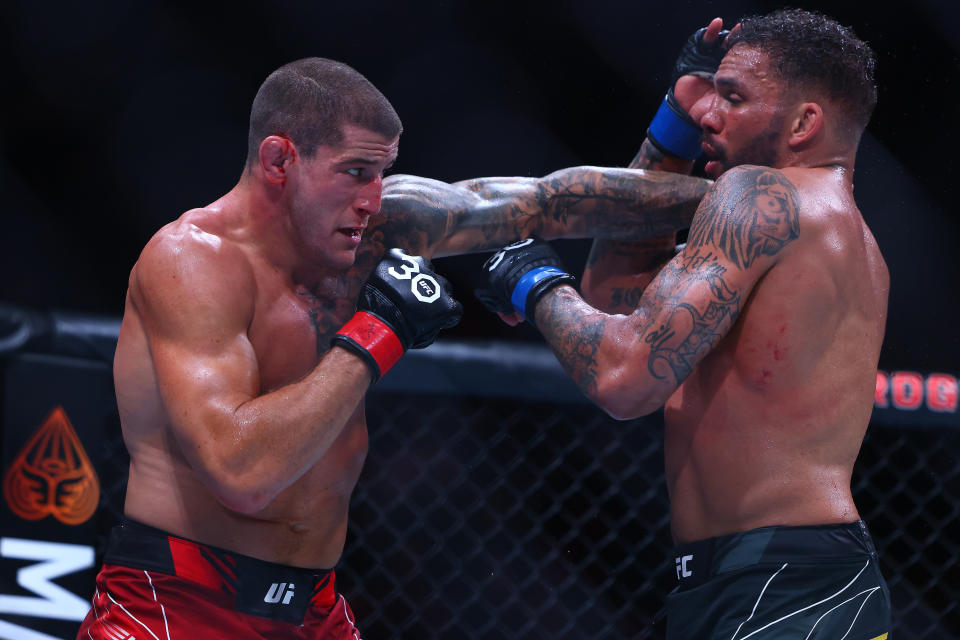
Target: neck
pixel 264 225
pixel 839 160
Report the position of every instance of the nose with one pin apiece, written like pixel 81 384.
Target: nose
pixel 370 196
pixel 706 112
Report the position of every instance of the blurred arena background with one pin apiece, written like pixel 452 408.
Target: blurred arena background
pixel 481 514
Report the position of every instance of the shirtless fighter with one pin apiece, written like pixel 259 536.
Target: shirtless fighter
pixel 761 337
pixel 253 328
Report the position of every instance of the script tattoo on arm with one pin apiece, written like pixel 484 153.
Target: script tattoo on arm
pixel 746 220
pixel 696 307
pixel 750 213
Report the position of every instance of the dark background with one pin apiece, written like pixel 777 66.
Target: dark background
pixel 117 116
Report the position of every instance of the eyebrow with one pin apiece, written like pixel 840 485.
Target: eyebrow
pixel 366 162
pixel 726 83
pixel 359 160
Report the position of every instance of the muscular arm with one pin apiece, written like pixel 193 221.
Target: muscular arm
pixel 433 218
pixel 194 297
pixel 618 272
pixel 630 365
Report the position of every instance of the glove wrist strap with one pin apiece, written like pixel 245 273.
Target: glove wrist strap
pixel 372 339
pixel 527 282
pixel 673 134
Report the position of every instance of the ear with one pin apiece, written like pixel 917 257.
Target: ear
pixel 806 124
pixel 276 154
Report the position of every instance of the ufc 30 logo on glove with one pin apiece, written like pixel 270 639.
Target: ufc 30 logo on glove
pixel 403 305
pixel 423 286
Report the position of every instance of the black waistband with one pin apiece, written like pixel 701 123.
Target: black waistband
pixel 258 587
pixel 697 561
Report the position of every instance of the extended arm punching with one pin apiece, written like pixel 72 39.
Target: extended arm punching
pixel 433 218
pixel 630 365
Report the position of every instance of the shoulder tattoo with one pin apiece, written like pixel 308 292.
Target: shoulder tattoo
pixel 752 213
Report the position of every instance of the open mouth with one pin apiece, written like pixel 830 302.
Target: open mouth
pixel 713 165
pixel 352 232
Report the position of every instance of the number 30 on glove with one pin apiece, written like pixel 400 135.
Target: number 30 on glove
pixel 519 275
pixel 403 305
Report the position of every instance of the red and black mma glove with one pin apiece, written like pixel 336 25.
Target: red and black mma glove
pixel 672 130
pixel 519 274
pixel 403 305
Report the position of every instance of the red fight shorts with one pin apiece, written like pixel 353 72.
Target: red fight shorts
pixel 153 585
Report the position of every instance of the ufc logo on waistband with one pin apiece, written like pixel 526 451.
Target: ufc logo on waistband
pixel 682 570
pixel 278 591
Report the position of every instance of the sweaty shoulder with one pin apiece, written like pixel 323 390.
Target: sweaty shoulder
pixel 751 213
pixel 190 264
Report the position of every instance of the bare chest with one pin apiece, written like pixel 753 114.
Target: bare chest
pixel 292 329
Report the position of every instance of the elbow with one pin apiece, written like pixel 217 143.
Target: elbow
pixel 243 490
pixel 243 502
pixel 623 399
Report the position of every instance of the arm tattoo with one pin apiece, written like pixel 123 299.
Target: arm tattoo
pixel 626 296
pixel 622 204
pixel 609 259
pixel 421 214
pixel 752 215
pixel 574 337
pixel 751 212
pixel 648 157
pixel 689 333
pixel 328 310
pixel 414 215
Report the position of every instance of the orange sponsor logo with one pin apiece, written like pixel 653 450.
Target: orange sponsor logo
pixel 52 475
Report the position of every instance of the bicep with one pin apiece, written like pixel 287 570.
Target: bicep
pixel 196 325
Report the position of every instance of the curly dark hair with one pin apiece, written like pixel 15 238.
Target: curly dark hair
pixel 310 100
pixel 814 51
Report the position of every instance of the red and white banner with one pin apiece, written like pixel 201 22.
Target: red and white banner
pixel 920 399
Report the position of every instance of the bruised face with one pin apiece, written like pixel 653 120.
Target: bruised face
pixel 744 117
pixel 335 192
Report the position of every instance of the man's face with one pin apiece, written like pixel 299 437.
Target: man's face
pixel 335 192
pixel 743 118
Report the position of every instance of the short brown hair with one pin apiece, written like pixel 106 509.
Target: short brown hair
pixel 310 100
pixel 815 51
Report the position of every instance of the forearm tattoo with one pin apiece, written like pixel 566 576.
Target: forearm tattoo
pixel 575 334
pixel 611 258
pixel 648 157
pixel 686 331
pixel 487 213
pixel 622 204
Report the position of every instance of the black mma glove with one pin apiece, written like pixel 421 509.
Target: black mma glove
pixel 672 130
pixel 519 274
pixel 403 305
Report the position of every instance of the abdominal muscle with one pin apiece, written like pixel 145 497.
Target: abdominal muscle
pixel 304 526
